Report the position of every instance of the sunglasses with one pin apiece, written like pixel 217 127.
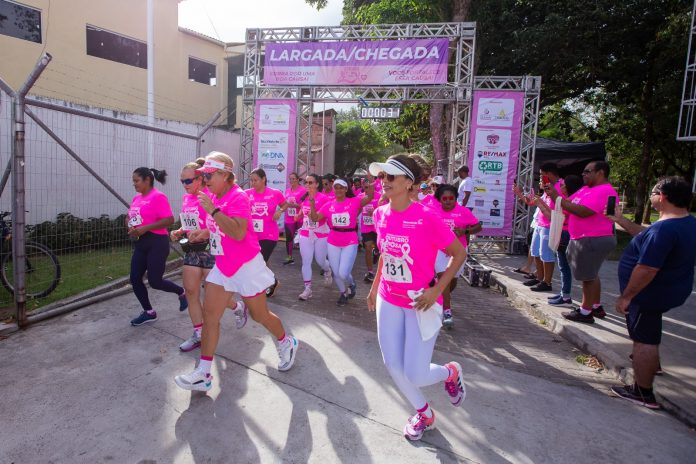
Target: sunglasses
pixel 207 175
pixel 189 181
pixel 447 198
pixel 389 177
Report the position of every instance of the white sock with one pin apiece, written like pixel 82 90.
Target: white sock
pixel 205 365
pixel 198 329
pixel 426 411
pixel 585 312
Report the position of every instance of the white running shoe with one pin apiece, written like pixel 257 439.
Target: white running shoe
pixel 328 280
pixel 287 352
pixel 196 380
pixel 193 342
pixel 306 294
pixel 241 314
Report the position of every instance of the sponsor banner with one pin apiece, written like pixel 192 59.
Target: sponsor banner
pixel 385 62
pixel 493 153
pixel 274 140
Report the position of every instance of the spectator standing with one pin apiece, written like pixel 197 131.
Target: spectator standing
pixel 656 274
pixel 591 237
pixel 466 185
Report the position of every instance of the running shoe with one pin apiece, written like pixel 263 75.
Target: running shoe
pixel 553 297
pixel 183 302
pixel 286 352
pixel 454 384
pixel 599 312
pixel 636 395
pixel 342 300
pixel 241 315
pixel 196 380
pixel 270 291
pixel 306 294
pixel 447 319
pixel 193 342
pixel 328 280
pixel 559 300
pixel 369 277
pixel 353 290
pixel 576 316
pixel 418 424
pixel 143 318
pixel 289 260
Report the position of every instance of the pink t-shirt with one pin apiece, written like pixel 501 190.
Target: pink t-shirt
pixel 430 201
pixel 409 241
pixel 231 254
pixel 459 217
pixel 320 229
pixel 367 222
pixel 192 216
pixel 331 194
pixel 263 207
pixel 148 209
pixel 542 220
pixel 293 211
pixel 597 225
pixel 342 217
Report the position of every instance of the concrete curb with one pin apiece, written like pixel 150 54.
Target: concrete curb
pixel 614 362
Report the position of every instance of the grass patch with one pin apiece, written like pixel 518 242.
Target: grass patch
pixel 582 359
pixel 622 239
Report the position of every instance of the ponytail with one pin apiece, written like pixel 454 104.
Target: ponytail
pixel 160 176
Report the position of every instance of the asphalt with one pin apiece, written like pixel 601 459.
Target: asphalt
pixel 88 387
pixel 607 338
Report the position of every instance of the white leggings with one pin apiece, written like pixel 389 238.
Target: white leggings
pixel 405 354
pixel 312 248
pixel 341 260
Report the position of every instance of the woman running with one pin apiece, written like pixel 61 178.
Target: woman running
pixel 292 196
pixel 409 236
pixel 462 222
pixel 342 217
pixel 239 267
pixel 197 261
pixel 148 218
pixel 265 202
pixel 313 235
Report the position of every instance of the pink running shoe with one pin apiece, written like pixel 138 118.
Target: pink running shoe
pixel 454 385
pixel 418 424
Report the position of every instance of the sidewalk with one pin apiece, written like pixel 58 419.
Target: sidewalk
pixel 608 339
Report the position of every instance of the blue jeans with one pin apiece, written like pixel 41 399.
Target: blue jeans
pixel 563 266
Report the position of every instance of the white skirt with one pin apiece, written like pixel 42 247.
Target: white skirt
pixel 442 261
pixel 251 279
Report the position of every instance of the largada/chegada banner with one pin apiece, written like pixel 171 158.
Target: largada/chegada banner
pixel 274 140
pixel 494 149
pixel 384 62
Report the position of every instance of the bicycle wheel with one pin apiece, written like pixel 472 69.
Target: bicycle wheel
pixel 42 271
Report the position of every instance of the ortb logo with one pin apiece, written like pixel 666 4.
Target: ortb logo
pixel 490 166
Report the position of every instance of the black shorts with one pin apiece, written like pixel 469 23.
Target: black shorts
pixel 267 247
pixel 369 237
pixel 644 325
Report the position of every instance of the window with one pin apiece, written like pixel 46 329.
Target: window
pixel 19 21
pixel 201 71
pixel 114 47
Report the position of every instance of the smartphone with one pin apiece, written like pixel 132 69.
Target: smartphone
pixel 611 206
pixel 545 180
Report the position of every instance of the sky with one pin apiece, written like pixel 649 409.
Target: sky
pixel 227 20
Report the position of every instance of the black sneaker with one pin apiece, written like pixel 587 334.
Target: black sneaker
pixel 530 282
pixel 289 260
pixel 599 312
pixel 270 291
pixel 183 302
pixel 342 300
pixel 636 395
pixel 143 318
pixel 541 287
pixel 576 316
pixel 369 278
pixel 352 288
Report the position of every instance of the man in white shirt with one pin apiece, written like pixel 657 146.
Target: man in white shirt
pixel 465 186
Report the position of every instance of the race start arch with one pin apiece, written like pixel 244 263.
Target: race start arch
pixel 287 70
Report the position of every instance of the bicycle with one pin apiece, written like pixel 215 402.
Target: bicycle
pixel 42 267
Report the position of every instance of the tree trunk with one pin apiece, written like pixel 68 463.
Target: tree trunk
pixel 647 107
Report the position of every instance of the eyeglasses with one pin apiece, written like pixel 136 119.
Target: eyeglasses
pixel 189 181
pixel 447 198
pixel 208 175
pixel 309 182
pixel 389 177
pixel 587 171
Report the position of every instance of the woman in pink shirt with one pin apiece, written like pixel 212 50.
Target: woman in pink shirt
pixel 462 222
pixel 148 218
pixel 197 259
pixel 409 236
pixel 267 205
pixel 342 216
pixel 313 235
pixel 292 196
pixel 239 268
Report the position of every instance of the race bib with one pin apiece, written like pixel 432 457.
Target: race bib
pixel 258 225
pixel 292 212
pixel 189 221
pixel 340 219
pixel 216 244
pixel 396 269
pixel 308 223
pixel 135 221
pixel 368 221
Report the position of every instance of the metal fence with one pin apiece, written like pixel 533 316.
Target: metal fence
pixel 74 191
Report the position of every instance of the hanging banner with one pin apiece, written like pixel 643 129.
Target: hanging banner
pixel 274 140
pixel 384 62
pixel 494 149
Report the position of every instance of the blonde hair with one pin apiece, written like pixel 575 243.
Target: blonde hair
pixel 194 164
pixel 223 158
